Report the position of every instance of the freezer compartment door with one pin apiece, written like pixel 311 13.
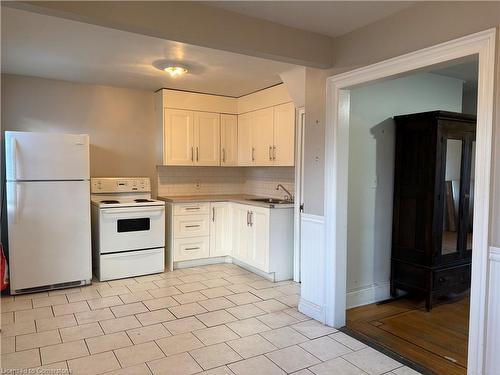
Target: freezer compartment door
pixel 46 156
pixel 49 233
pixel 131 264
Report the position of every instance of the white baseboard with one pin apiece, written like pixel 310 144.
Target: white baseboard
pixel 265 275
pixel 371 294
pixel 312 310
pixel 201 262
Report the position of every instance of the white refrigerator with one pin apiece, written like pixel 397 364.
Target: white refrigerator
pixel 48 210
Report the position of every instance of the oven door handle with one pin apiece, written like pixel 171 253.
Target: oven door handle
pixel 133 211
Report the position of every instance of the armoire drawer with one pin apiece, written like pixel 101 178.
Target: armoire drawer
pixel 191 226
pixel 197 208
pixel 191 248
pixel 453 279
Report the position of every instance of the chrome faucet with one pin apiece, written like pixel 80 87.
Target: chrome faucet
pixel 288 196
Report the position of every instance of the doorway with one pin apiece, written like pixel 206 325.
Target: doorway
pixel 389 245
pixel 336 182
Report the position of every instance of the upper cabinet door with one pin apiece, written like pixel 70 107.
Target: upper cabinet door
pixel 246 151
pixel 179 137
pixel 262 136
pixel 229 139
pixel 207 138
pixel 284 135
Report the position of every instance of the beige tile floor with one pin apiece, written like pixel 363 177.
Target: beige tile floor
pixel 217 319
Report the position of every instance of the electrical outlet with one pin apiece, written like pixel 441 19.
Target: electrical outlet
pixel 197 184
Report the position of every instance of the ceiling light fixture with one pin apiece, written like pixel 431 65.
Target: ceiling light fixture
pixel 175 70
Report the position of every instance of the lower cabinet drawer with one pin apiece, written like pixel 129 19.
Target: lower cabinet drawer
pixel 191 226
pixel 191 248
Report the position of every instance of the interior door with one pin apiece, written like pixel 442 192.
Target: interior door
pixel 229 140
pixel 284 135
pixel 246 152
pixel 49 232
pixel 220 229
pixel 259 242
pixel 207 138
pixel 37 156
pixel 262 136
pixel 179 137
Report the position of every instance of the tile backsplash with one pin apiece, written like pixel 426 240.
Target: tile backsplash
pixel 260 181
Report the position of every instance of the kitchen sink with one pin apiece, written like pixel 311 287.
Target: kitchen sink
pixel 272 200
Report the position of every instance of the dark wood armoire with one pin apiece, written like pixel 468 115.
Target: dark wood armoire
pixel 433 204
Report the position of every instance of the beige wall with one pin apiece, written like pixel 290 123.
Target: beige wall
pixel 420 26
pixel 120 122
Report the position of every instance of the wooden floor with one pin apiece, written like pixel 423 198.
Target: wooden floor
pixel 435 340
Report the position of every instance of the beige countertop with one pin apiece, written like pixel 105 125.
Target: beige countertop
pixel 237 198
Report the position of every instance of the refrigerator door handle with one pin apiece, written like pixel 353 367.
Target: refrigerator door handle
pixel 16 204
pixel 13 157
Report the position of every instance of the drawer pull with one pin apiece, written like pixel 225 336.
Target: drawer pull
pixel 193 226
pixel 192 248
pixel 192 208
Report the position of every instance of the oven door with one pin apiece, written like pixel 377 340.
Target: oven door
pixel 131 228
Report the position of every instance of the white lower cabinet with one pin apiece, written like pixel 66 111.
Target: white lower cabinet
pixel 220 229
pixel 263 239
pixel 191 248
pixel 258 238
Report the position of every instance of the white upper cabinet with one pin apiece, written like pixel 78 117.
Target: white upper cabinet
pixel 206 139
pixel 178 137
pixel 246 152
pixel 262 136
pixel 191 138
pixel 229 140
pixel 284 135
pixel 266 137
pixel 204 130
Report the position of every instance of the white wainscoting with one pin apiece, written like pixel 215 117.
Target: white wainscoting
pixel 369 294
pixel 312 267
pixel 493 323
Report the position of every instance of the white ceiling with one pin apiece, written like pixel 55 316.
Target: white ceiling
pixel 50 47
pixel 332 18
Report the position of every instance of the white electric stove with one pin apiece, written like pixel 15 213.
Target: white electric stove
pixel 128 228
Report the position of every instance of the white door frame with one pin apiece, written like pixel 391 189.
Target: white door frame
pixel 299 183
pixel 336 175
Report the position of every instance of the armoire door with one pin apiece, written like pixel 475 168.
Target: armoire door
pixel 456 190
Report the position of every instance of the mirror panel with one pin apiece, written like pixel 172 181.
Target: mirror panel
pixel 451 200
pixel 471 197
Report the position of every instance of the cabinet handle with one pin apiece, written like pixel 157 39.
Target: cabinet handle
pixel 192 248
pixel 253 153
pixel 223 155
pixel 248 218
pixel 251 218
pixel 274 152
pixel 193 226
pixel 192 153
pixel 270 152
pixel 213 213
pixel 197 154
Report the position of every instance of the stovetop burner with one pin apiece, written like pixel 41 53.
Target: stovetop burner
pixel 110 201
pixel 142 200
